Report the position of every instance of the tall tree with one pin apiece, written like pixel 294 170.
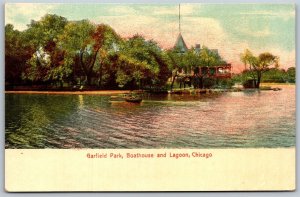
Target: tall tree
pixel 106 43
pixel 259 64
pixel 177 63
pixel 77 41
pixel 90 44
pixel 245 57
pixel 141 62
pixel 46 61
pixel 17 53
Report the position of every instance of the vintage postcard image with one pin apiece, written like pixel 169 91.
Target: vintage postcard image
pixel 149 97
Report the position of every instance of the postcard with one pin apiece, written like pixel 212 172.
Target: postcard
pixel 150 97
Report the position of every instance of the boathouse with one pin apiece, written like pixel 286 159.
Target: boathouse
pixel 220 71
pixel 199 73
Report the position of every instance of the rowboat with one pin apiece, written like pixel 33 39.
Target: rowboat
pixel 133 99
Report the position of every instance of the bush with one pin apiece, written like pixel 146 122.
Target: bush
pixel 225 83
pixel 250 83
pixel 209 82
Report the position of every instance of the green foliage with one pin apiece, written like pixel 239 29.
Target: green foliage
pixel 291 75
pixel 91 45
pixel 77 36
pixel 191 60
pixel 272 75
pixel 210 57
pixel 17 52
pixel 209 82
pixel 47 58
pixel 122 78
pixel 143 62
pixel 275 75
pixel 54 50
pixel 225 83
pixel 48 29
pixel 259 64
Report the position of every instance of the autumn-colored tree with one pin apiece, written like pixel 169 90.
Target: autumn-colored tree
pixel 17 53
pixel 46 63
pixel 89 43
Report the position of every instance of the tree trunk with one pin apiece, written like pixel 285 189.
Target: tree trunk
pixel 258 79
pixel 180 84
pixel 100 76
pixel 172 84
pixel 88 79
pixel 88 67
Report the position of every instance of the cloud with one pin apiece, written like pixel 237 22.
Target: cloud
pixel 189 9
pixel 160 23
pixel 270 13
pixel 165 10
pixel 20 14
pixel 205 31
pixel 258 34
pixel 150 27
pixel 118 10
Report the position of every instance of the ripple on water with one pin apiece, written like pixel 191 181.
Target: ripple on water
pixel 256 119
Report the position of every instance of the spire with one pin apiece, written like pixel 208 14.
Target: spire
pixel 180 43
pixel 179 19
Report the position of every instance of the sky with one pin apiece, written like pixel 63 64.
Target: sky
pixel 230 28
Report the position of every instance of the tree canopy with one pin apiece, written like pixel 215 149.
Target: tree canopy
pixel 259 64
pixel 56 52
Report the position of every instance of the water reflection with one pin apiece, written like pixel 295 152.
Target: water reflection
pixel 237 119
pixel 80 99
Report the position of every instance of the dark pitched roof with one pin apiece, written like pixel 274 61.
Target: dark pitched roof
pixel 180 44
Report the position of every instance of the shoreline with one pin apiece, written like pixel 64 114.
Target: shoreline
pixel 91 92
pixel 116 92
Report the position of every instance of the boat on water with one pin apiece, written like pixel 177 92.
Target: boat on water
pixel 133 98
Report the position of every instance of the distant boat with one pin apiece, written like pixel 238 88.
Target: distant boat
pixel 133 98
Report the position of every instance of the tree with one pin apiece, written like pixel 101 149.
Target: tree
pixel 259 64
pixel 142 63
pixel 210 57
pixel 106 42
pixel 46 63
pixel 17 53
pixel 291 74
pixel 192 60
pixel 88 44
pixel 77 43
pixel 177 63
pixel 245 57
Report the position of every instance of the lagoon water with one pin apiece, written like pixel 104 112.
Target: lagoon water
pixel 221 120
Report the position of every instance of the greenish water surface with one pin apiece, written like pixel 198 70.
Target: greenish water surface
pixel 223 120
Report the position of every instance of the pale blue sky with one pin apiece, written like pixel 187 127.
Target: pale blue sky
pixel 228 27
